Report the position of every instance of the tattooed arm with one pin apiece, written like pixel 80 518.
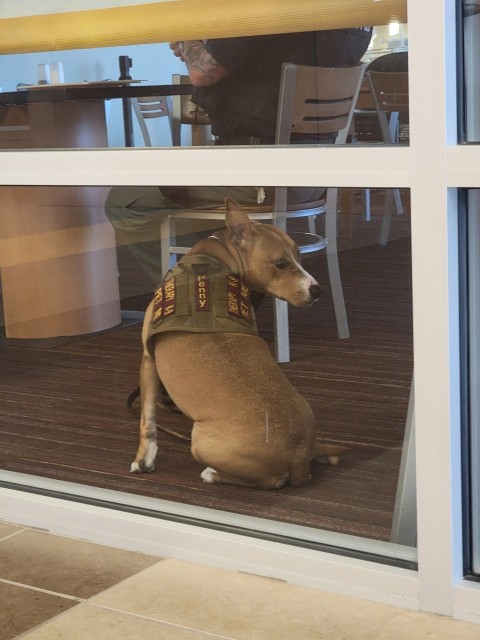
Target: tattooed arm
pixel 202 67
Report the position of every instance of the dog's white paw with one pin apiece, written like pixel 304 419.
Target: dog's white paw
pixel 208 475
pixel 141 467
pixel 148 462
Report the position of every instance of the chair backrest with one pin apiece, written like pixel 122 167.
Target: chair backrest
pixel 390 95
pixel 395 62
pixel 317 101
pixel 185 111
pixel 148 107
pixel 389 90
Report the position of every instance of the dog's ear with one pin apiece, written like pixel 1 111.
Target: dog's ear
pixel 238 223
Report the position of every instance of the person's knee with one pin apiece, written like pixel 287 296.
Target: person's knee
pixel 204 198
pixel 138 198
pixel 138 210
pixel 301 195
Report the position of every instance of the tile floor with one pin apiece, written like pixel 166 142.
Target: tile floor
pixel 55 588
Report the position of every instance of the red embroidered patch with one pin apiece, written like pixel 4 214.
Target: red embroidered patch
pixel 170 291
pixel 164 300
pixel 244 302
pixel 202 293
pixel 238 298
pixel 233 295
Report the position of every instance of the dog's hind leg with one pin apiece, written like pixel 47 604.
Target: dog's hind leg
pixel 211 476
pixel 228 465
pixel 300 468
pixel 149 387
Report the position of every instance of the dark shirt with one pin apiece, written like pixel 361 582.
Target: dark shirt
pixel 245 102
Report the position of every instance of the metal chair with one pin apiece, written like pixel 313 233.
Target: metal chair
pixel 390 97
pixel 146 108
pixel 181 111
pixel 313 101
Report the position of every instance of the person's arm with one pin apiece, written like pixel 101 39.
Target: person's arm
pixel 202 67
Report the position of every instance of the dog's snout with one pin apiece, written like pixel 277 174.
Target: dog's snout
pixel 315 291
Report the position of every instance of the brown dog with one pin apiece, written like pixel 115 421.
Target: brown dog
pixel 251 427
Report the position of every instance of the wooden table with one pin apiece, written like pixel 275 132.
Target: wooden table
pixel 58 262
pixel 62 98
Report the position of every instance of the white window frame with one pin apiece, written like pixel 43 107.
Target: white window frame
pixel 433 167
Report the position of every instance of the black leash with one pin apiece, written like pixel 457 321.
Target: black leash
pixel 132 397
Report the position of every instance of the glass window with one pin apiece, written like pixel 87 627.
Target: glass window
pixel 471 31
pixel 472 360
pixel 97 98
pixel 79 266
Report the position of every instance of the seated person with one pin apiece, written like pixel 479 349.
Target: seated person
pixel 236 81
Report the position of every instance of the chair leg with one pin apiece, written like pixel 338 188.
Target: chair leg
pixel 387 217
pixel 404 525
pixel 332 262
pixel 368 206
pixel 282 339
pixel 398 202
pixel 165 243
pixel 280 307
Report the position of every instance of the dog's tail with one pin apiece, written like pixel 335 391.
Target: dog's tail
pixel 327 453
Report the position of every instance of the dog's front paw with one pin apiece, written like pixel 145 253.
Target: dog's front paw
pixel 208 475
pixel 140 467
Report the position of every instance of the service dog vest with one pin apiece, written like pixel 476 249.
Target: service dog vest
pixel 200 295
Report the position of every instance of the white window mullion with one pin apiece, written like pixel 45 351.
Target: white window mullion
pixel 327 166
pixel 435 297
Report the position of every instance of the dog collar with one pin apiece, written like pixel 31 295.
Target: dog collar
pixel 214 237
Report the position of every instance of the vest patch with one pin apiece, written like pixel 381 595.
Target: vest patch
pixel 238 298
pixel 202 292
pixel 164 300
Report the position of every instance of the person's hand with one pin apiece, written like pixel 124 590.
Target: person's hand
pixel 177 48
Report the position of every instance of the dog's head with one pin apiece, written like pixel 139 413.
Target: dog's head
pixel 270 259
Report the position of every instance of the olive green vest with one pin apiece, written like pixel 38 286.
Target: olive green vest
pixel 200 295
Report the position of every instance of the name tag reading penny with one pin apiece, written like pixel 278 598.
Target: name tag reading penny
pixel 202 293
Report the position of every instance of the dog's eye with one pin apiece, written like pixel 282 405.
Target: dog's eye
pixel 281 263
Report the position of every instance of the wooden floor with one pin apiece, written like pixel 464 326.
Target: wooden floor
pixel 63 413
